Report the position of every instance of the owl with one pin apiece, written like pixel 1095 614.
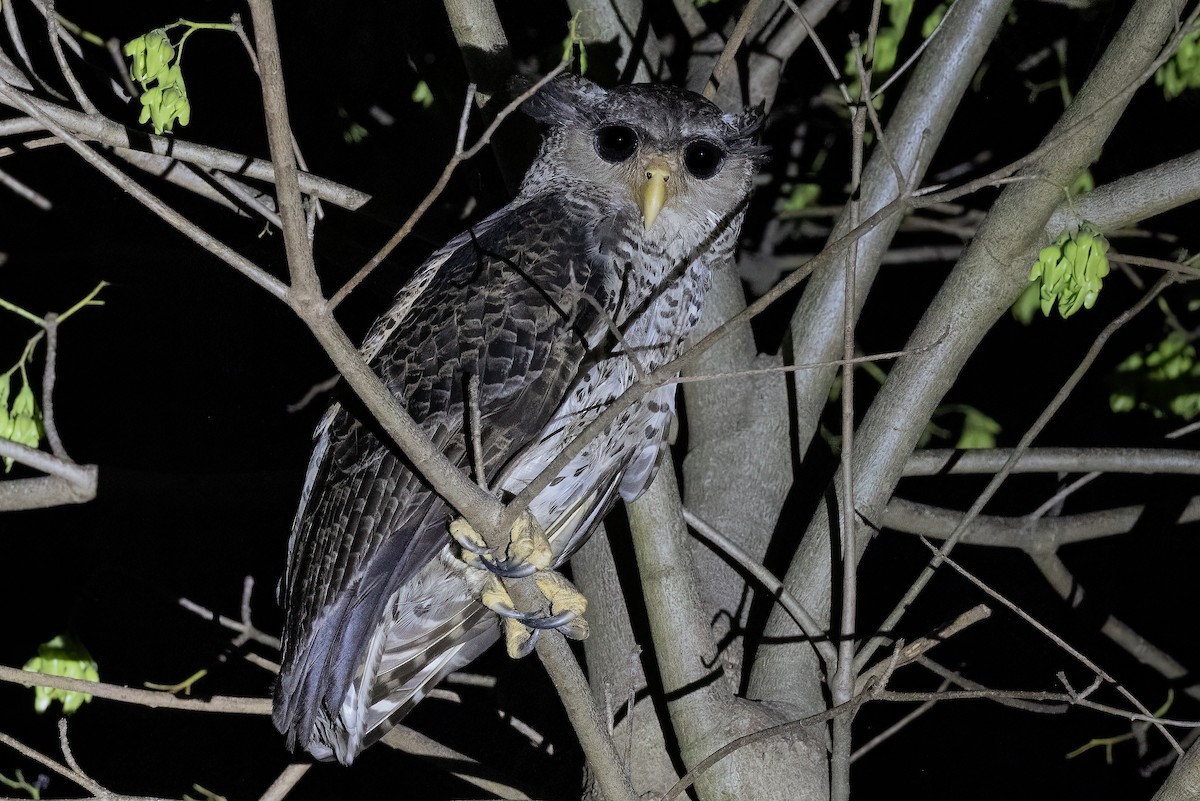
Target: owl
pixel 542 315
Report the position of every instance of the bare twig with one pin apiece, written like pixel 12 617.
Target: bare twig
pixel 62 770
pixel 897 727
pixel 841 683
pixel 305 287
pixel 945 461
pixel 773 585
pixel 741 742
pixel 245 629
pixel 720 72
pixel 113 134
pixel 227 704
pixel 29 194
pixel 455 762
pixel 1057 498
pixel 285 781
pixel 191 230
pixel 475 426
pixel 914 651
pixel 1070 590
pixel 1026 440
pixel 54 31
pixel 65 745
pixel 1034 695
pixel 460 155
pixel 1147 715
pixel 48 377
pixel 1033 536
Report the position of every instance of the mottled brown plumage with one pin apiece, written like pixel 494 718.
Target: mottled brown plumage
pixel 636 196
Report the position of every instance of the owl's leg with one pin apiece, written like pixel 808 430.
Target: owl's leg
pixel 528 554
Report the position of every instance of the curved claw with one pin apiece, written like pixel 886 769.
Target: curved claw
pixel 508 568
pixel 470 547
pixel 526 648
pixel 467 539
pixel 534 622
pixel 551 621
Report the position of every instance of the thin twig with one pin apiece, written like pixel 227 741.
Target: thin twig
pixel 26 192
pixel 749 739
pixel 807 623
pixel 65 745
pixel 459 156
pixel 49 373
pixel 57 767
pixel 475 425
pixel 1026 440
pixel 915 650
pixel 1068 587
pixel 113 134
pixel 956 678
pixel 285 781
pixel 1035 695
pixel 898 726
pixel 1057 498
pixel 264 280
pixel 305 285
pixel 1160 724
pixel 725 61
pixel 1033 536
pixel 227 704
pixel 951 462
pixel 246 629
pixel 54 31
pixel 454 762
pixel 841 683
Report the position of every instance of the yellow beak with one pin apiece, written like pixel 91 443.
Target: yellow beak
pixel 654 191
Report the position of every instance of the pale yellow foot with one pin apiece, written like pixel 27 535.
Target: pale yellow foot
pixel 528 552
pixel 528 543
pixel 564 597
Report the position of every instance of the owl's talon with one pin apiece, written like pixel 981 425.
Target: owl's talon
pixel 519 640
pixel 528 543
pixel 528 550
pixel 509 568
pixel 496 598
pixel 468 538
pixel 567 606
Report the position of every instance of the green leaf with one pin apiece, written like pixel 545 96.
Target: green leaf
pixel 62 656
pixel 422 95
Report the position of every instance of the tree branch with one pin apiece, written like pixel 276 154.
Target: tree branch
pixel 1042 535
pixel 991 274
pixel 154 699
pixel 115 135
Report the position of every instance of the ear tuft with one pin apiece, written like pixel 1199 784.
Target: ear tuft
pixel 567 98
pixel 747 122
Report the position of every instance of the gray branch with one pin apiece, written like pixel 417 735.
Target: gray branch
pixel 988 278
pixel 113 134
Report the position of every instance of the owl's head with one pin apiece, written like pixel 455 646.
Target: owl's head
pixel 659 153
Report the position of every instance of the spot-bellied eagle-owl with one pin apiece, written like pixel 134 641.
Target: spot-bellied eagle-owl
pixel 602 260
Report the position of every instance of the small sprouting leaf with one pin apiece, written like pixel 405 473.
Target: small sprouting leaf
pixel 62 656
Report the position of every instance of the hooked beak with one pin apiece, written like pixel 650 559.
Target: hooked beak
pixel 653 192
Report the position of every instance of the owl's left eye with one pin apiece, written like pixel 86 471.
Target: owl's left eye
pixel 703 159
pixel 616 143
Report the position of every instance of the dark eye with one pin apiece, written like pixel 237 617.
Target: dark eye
pixel 616 143
pixel 703 159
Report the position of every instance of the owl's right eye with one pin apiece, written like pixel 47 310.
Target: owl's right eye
pixel 616 143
